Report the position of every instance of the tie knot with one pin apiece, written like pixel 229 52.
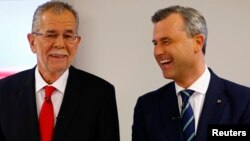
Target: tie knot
pixel 185 94
pixel 48 91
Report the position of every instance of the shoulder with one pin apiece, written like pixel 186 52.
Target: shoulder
pixel 236 88
pixel 228 85
pixel 83 77
pixel 18 78
pixel 235 92
pixel 159 93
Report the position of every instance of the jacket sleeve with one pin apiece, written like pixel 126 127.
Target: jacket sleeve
pixel 138 127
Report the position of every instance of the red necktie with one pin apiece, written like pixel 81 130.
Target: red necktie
pixel 46 118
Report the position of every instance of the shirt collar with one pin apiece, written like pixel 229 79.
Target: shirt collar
pixel 59 84
pixel 200 85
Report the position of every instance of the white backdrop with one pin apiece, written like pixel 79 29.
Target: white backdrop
pixel 16 18
pixel 117 45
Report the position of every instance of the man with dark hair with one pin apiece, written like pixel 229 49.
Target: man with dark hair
pixel 197 97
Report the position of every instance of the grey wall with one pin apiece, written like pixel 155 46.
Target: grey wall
pixel 117 45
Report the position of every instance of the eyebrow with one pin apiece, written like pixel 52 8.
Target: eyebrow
pixel 69 31
pixel 50 31
pixel 54 31
pixel 161 39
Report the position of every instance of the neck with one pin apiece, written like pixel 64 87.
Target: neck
pixel 189 77
pixel 50 77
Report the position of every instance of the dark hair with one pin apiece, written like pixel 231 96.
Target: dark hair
pixel 194 22
pixel 57 7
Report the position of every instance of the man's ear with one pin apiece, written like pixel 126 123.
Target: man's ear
pixel 79 38
pixel 31 39
pixel 198 42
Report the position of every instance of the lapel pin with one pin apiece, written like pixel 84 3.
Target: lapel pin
pixel 219 101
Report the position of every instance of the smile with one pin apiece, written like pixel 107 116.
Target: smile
pixel 165 62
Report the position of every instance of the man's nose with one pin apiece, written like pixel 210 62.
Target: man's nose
pixel 59 41
pixel 158 49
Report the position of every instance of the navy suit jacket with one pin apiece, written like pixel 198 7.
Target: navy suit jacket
pixel 157 116
pixel 88 111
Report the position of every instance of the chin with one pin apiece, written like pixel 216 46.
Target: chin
pixel 167 76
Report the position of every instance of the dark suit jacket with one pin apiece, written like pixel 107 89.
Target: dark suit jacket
pixel 88 111
pixel 156 114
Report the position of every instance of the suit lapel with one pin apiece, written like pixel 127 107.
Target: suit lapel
pixel 170 113
pixel 70 103
pixel 28 110
pixel 213 106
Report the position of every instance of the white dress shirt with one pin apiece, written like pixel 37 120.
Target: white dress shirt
pixel 57 96
pixel 196 101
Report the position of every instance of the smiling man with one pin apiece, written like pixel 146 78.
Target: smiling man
pixel 197 97
pixel 55 101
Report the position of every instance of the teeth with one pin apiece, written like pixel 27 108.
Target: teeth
pixel 165 61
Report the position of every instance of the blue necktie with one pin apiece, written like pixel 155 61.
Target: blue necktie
pixel 187 116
